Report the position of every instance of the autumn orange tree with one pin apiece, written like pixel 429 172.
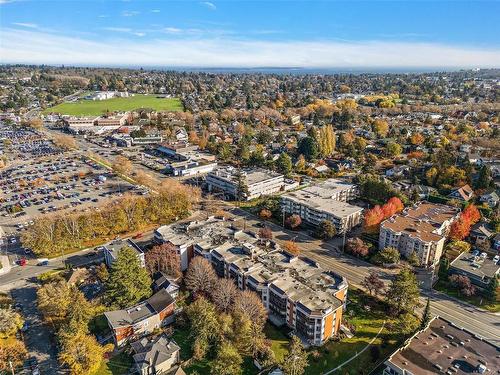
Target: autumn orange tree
pixel 374 216
pixel 292 248
pixel 461 227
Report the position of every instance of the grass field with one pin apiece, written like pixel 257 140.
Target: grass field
pixel 98 107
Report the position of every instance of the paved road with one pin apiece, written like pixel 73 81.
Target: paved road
pixel 480 322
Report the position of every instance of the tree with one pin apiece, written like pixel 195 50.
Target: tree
pixel 380 127
pixel 205 328
pixel 250 304
pixel 484 178
pixel 460 228
pixel 406 323
pixel 293 221
pixel 164 258
pixel 200 277
pixel 265 214
pixel 13 352
pixel 300 166
pixel 403 293
pixel 10 322
pixel 224 294
pixel 373 283
pixel 463 284
pixel 417 139
pixel 291 248
pixel 327 140
pixel 284 164
pixel 295 362
pixel 373 218
pixel 122 165
pixel 389 255
pixel 426 316
pixel 394 149
pixel 413 259
pixel 128 282
pixel 266 233
pixel 308 147
pixel 36 123
pixel 227 362
pixel 492 290
pixel 65 142
pixel 471 214
pixel 81 353
pixel 326 230
pixel 54 300
pixel 357 247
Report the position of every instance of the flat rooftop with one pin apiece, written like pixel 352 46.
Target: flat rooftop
pixel 321 201
pixel 252 176
pixel 445 348
pixel 476 265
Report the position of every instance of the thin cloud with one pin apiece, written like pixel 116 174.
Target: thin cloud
pixel 102 16
pixel 208 5
pixel 130 13
pixel 155 11
pixel 26 24
pixel 172 30
pixel 31 46
pixel 118 29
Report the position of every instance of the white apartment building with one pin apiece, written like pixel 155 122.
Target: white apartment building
pixel 325 201
pixel 112 250
pixel 258 182
pixel 421 229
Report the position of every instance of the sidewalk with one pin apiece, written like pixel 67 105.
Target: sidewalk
pixel 4 261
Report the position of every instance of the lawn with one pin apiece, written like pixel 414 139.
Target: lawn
pixel 479 301
pixel 98 107
pixel 279 341
pixel 117 365
pixel 367 323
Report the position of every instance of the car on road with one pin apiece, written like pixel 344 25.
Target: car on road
pixel 22 262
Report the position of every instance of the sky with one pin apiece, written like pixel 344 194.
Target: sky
pixel 310 34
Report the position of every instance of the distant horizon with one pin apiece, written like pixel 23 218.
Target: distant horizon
pixel 411 35
pixel 265 69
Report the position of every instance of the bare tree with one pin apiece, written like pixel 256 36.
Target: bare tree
pixel 200 277
pixel 224 294
pixel 164 258
pixel 373 283
pixel 249 303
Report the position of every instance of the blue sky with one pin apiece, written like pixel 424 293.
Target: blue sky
pixel 251 33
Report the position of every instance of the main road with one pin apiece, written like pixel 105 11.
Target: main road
pixel 328 255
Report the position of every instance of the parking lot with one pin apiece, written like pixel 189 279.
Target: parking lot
pixel 52 182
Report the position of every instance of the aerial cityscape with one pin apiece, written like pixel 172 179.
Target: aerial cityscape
pixel 249 187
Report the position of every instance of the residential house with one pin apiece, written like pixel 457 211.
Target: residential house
pixel 112 250
pixel 156 355
pixel 491 199
pixel 142 319
pixel 162 281
pixel 421 229
pixel 464 193
pixel 444 348
pixel 481 234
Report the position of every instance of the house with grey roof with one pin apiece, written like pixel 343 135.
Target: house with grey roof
pixel 156 355
pixel 112 250
pixel 142 319
pixel 479 269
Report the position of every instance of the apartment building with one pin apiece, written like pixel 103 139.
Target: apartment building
pixel 257 182
pixel 142 319
pixel 444 348
pixel 325 201
pixel 421 229
pixel 200 237
pixel 295 291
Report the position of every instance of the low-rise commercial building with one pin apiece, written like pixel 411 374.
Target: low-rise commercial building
pixel 247 184
pixel 421 229
pixel 325 201
pixel 480 269
pixel 444 348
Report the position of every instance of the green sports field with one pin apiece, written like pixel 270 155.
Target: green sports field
pixel 98 107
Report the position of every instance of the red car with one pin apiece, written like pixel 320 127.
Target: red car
pixel 22 262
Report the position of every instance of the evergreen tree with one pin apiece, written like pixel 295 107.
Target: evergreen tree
pixel 426 316
pixel 492 290
pixel 284 164
pixel 295 362
pixel 128 282
pixel 403 292
pixel 309 147
pixel 484 178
